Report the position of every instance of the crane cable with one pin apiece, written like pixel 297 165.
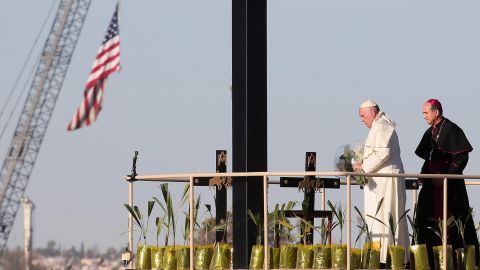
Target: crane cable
pixel 22 70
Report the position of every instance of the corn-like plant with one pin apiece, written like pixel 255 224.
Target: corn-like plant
pixel 168 208
pixel 274 216
pixel 339 213
pixel 412 221
pixel 280 222
pixel 461 225
pixel 307 228
pixel 140 220
pixel 206 227
pixel 392 226
pixel 274 221
pixel 159 222
pixel 223 228
pixel 283 220
pixel 323 230
pixel 209 224
pixel 439 230
pixel 364 228
pixel 258 221
pixel 186 228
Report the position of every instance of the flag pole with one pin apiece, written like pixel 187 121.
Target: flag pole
pixel 130 222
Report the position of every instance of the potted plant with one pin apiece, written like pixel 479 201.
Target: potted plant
pixel 257 256
pixel 281 231
pixel 356 253
pixel 305 251
pixel 465 254
pixel 396 253
pixel 288 252
pixel 169 261
pixel 182 253
pixel 169 255
pixel 274 226
pixel 322 255
pixel 143 258
pixel 204 253
pixel 363 230
pixel 339 251
pixel 371 250
pixel 222 252
pixel 418 252
pixel 438 250
pixel 157 253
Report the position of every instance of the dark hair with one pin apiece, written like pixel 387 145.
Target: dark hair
pixel 376 109
pixel 439 109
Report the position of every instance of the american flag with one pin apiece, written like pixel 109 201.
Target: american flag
pixel 106 62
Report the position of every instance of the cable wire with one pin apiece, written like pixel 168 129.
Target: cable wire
pixel 22 70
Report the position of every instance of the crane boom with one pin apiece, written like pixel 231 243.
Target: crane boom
pixel 37 110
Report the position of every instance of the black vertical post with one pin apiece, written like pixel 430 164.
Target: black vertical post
pixel 249 119
pixel 220 195
pixel 310 166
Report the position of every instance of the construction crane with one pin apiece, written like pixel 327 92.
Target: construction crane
pixel 37 110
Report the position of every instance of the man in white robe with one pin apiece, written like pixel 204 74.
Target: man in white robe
pixel 381 154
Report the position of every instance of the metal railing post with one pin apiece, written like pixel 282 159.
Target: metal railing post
pixel 349 232
pixel 130 223
pixel 192 206
pixel 265 222
pixel 444 236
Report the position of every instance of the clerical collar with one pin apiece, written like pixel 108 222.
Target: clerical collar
pixel 439 123
pixel 437 129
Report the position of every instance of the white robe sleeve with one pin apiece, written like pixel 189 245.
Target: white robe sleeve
pixel 377 157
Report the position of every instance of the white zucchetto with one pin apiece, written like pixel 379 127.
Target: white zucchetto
pixel 368 104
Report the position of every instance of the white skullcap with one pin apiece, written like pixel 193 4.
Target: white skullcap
pixel 368 104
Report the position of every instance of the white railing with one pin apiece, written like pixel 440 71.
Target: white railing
pixel 189 177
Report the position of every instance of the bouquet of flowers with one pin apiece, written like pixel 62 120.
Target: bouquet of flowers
pixel 346 156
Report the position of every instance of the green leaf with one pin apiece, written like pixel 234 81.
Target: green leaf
pixel 252 217
pixel 276 212
pixel 375 218
pixel 403 216
pixel 286 224
pixel 290 205
pixel 134 215
pixel 196 209
pixel 186 188
pixel 137 211
pixel 364 228
pixel 379 205
pixel 150 208
pixel 391 224
pixel 307 224
pixel 414 230
pixel 360 234
pixel 160 203
pixel 159 223
pixel 412 224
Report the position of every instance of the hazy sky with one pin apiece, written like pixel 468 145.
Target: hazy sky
pixel 171 101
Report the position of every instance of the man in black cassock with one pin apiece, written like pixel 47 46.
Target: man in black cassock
pixel 445 148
